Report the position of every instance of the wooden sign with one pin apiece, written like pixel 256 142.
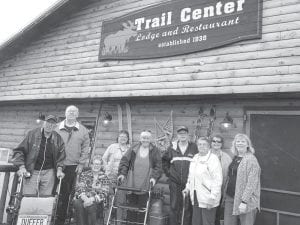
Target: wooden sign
pixel 180 27
pixel 32 220
pixel 4 155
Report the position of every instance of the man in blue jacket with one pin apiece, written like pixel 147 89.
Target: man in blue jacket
pixel 176 162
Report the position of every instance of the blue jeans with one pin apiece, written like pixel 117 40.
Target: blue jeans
pixel 40 183
pixel 229 219
pixel 203 216
pixel 176 205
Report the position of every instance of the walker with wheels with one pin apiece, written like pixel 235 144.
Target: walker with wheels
pixel 112 216
pixel 32 210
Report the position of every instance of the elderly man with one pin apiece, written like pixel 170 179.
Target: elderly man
pixel 77 144
pixel 41 153
pixel 176 162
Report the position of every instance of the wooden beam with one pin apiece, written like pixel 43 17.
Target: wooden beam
pixel 120 117
pixel 128 114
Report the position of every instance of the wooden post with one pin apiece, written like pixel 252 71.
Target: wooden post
pixel 13 191
pixel 3 195
pixel 95 132
pixel 120 117
pixel 128 114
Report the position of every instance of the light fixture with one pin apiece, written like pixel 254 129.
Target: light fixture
pixel 227 122
pixel 40 118
pixel 107 118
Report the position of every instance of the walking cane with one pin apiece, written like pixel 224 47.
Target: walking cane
pixel 183 208
pixel 56 201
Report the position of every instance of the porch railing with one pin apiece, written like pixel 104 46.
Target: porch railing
pixel 7 170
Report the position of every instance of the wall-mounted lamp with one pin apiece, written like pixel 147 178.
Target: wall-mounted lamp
pixel 227 122
pixel 107 118
pixel 40 118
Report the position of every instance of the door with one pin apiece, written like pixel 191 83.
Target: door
pixel 276 139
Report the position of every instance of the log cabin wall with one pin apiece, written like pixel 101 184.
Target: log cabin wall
pixel 17 119
pixel 63 63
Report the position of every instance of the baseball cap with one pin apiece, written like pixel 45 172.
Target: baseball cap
pixel 182 128
pixel 51 119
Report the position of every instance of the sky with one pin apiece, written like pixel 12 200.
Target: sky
pixel 17 14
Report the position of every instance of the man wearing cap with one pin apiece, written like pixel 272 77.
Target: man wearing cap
pixel 40 155
pixel 176 162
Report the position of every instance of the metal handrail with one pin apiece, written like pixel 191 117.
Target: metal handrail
pixel 281 191
pixel 7 169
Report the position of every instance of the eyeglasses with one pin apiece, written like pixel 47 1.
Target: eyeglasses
pixel 216 141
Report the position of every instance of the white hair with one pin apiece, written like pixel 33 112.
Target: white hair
pixel 72 106
pixel 146 133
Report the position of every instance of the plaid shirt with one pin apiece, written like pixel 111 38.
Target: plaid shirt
pixel 93 185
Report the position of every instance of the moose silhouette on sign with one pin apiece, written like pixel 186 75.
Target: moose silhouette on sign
pixel 117 43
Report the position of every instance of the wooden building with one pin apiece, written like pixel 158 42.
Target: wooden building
pixel 54 63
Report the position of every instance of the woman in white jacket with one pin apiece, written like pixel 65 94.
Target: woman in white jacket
pixel 113 154
pixel 204 184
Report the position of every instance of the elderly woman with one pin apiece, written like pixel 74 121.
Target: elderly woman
pixel 242 198
pixel 142 166
pixel 204 184
pixel 91 194
pixel 113 154
pixel 217 143
pixel 111 159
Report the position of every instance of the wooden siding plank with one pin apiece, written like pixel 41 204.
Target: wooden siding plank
pixel 221 53
pixel 64 62
pixel 152 85
pixel 265 88
pixel 205 65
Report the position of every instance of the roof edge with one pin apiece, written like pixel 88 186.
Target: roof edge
pixel 47 18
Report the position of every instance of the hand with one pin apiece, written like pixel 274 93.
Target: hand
pixel 121 178
pixel 22 171
pixel 60 174
pixel 242 207
pixel 88 202
pixel 83 197
pixel 152 182
pixel 211 200
pixel 185 192
pixel 209 206
pixel 79 169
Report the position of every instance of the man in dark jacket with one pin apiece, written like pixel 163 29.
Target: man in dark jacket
pixel 176 162
pixel 41 153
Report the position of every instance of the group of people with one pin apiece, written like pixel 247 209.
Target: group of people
pixel 55 151
pixel 203 179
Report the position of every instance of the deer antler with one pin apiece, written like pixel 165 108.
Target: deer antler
pixel 125 25
pixel 131 24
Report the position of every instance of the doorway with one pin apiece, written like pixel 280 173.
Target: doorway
pixel 276 139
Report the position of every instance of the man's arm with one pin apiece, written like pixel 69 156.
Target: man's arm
pixel 60 157
pixel 166 159
pixel 157 165
pixel 20 152
pixel 124 163
pixel 61 154
pixel 85 151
